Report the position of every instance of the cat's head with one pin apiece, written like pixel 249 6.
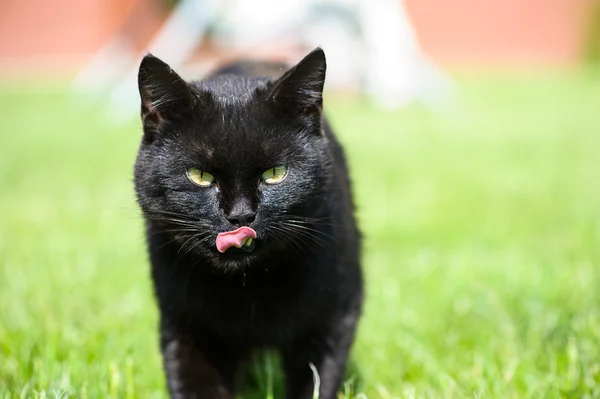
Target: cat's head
pixel 233 151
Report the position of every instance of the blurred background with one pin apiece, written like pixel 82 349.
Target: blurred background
pixel 61 36
pixel 472 128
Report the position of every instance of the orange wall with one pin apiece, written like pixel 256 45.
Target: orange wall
pixel 64 33
pixel 54 27
pixel 501 31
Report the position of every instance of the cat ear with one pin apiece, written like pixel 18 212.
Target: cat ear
pixel 300 89
pixel 164 94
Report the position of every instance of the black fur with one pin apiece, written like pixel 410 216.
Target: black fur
pixel 300 290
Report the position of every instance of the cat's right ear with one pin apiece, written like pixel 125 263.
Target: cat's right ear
pixel 165 96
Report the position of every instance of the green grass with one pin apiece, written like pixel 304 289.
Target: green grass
pixel 482 252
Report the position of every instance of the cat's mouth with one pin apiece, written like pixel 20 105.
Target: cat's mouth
pixel 242 239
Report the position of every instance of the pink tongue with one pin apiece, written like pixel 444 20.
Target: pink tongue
pixel 234 238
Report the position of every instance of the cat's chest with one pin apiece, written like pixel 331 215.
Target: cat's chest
pixel 252 298
pixel 258 308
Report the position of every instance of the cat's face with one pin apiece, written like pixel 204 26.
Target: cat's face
pixel 231 152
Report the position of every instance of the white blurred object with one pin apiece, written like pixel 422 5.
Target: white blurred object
pixel 370 45
pixel 396 70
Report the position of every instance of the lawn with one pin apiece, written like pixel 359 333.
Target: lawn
pixel 482 250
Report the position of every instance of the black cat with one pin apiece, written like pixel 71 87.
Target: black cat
pixel 250 227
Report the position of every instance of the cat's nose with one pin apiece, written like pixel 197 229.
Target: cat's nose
pixel 242 219
pixel 241 214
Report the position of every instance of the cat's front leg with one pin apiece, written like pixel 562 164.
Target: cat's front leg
pixel 327 353
pixel 328 362
pixel 197 370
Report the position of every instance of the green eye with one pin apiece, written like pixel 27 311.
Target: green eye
pixel 200 177
pixel 274 175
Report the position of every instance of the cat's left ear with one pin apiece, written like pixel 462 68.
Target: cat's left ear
pixel 300 89
pixel 164 94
